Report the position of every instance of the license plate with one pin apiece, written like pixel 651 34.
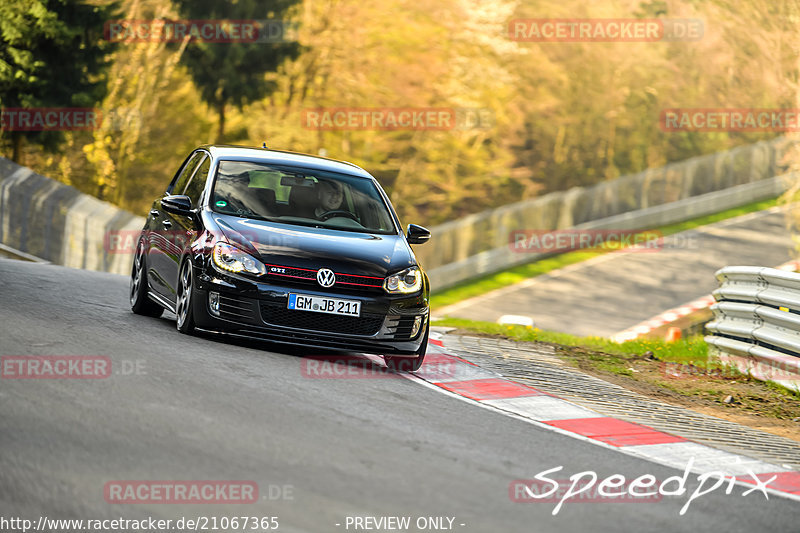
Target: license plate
pixel 333 306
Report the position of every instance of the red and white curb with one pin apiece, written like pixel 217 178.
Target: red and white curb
pixel 662 319
pixel 467 381
pixel 667 317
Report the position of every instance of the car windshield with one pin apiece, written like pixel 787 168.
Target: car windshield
pixel 300 196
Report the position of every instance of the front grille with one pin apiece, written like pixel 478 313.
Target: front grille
pixel 374 283
pixel 304 275
pixel 278 315
pixel 289 272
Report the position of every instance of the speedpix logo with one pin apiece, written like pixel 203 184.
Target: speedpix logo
pixel 585 486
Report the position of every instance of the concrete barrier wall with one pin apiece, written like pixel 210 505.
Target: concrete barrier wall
pixel 505 256
pixel 469 237
pixel 55 222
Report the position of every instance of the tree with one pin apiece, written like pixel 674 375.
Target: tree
pixel 147 94
pixel 51 55
pixel 235 72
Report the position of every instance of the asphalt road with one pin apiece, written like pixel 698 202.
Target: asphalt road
pixel 611 293
pixel 200 408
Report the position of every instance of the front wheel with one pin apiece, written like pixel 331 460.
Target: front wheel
pixel 185 299
pixel 409 364
pixel 140 303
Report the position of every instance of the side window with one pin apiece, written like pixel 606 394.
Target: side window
pixel 195 187
pixel 179 183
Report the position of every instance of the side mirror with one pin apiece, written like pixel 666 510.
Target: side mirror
pixel 417 234
pixel 177 204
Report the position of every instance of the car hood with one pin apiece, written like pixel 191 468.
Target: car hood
pixel 365 254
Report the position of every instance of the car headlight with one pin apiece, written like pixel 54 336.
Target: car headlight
pixel 232 259
pixel 406 282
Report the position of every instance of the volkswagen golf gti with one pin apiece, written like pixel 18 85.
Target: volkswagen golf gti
pixel 284 247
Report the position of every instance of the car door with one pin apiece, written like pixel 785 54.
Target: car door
pixel 161 242
pixel 183 228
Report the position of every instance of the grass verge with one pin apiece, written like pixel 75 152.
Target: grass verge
pixel 679 372
pixel 520 273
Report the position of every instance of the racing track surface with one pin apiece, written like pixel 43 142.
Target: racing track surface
pixel 613 292
pixel 203 409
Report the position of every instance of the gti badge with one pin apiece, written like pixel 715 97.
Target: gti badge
pixel 326 277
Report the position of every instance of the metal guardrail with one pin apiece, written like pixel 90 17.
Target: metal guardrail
pixel 13 253
pixel 756 325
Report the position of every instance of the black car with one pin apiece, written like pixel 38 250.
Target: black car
pixel 284 247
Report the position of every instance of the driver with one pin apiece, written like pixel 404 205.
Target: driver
pixel 330 197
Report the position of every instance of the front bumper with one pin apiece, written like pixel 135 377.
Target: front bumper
pixel 257 309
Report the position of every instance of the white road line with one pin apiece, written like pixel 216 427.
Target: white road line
pixel 534 409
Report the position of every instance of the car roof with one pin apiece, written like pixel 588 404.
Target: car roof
pixel 265 155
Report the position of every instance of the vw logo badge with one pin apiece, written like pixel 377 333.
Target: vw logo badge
pixel 326 277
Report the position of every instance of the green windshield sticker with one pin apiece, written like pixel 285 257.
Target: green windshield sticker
pixel 221 203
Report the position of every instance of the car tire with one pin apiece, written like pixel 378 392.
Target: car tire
pixel 140 303
pixel 185 298
pixel 409 364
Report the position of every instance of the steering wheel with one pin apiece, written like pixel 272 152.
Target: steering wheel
pixel 337 213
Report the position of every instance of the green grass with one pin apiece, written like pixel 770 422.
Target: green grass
pixel 606 355
pixel 688 350
pixel 520 273
pixel 777 387
pixel 710 381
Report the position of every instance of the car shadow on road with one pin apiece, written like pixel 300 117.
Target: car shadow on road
pixel 315 362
